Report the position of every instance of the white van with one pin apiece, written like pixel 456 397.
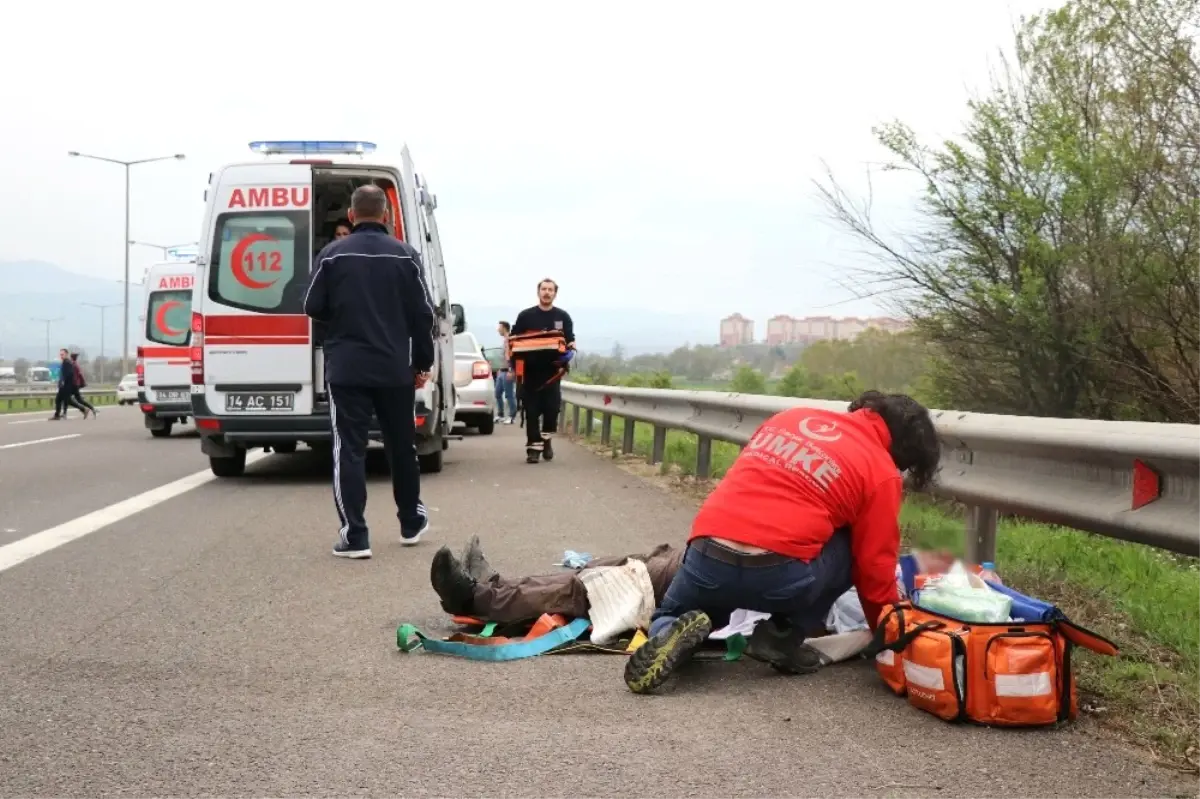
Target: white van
pixel 164 363
pixel 257 366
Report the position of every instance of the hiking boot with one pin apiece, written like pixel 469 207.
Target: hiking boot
pixel 547 450
pixel 475 562
pixel 656 660
pixel 784 650
pixel 453 585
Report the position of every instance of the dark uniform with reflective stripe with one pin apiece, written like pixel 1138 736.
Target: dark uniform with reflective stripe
pixel 541 390
pixel 369 291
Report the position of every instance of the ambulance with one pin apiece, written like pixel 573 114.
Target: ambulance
pixel 164 363
pixel 257 367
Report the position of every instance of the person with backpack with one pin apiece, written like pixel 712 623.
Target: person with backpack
pixel 66 388
pixel 78 386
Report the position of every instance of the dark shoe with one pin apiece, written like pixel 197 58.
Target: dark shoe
pixel 547 450
pixel 410 538
pixel 784 650
pixel 355 552
pixel 475 562
pixel 656 660
pixel 451 582
pixel 532 455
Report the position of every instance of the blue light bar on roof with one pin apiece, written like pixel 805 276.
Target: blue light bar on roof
pixel 306 147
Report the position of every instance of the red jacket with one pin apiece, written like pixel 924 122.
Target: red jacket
pixel 804 474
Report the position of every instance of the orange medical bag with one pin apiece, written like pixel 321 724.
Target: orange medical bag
pixel 1014 674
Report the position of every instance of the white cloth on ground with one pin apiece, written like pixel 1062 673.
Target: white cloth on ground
pixel 621 598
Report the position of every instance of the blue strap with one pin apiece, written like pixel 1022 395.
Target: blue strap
pixel 514 651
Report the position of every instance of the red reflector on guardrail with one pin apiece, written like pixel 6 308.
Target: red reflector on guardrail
pixel 1147 485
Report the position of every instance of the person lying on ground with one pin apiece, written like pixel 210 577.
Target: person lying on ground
pixel 809 508
pixel 467 585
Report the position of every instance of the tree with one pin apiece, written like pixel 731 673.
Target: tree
pixel 1055 269
pixel 747 380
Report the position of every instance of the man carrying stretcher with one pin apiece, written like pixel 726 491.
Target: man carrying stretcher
pixel 541 346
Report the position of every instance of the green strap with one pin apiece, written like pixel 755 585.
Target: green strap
pixel 408 638
pixel 488 629
pixel 735 645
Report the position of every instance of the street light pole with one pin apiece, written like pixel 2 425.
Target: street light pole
pixel 47 323
pixel 166 250
pixel 127 165
pixel 102 308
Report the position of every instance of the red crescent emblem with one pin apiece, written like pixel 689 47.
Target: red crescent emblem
pixel 237 261
pixel 160 318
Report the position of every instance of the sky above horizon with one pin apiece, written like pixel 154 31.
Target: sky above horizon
pixel 656 156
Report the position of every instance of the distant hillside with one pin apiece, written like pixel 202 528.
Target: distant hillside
pixel 34 289
pixel 37 290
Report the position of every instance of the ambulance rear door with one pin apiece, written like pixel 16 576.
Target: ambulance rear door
pixel 257 350
pixel 166 332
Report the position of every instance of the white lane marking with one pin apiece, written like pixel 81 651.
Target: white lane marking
pixel 54 537
pixel 26 413
pixel 30 421
pixel 39 441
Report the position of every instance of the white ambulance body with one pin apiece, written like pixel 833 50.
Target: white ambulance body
pixel 164 366
pixel 257 368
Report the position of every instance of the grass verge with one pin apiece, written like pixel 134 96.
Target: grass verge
pixel 1144 599
pixel 46 402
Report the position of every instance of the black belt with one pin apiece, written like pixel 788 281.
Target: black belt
pixel 750 560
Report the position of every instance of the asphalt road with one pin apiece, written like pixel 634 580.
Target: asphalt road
pixel 209 645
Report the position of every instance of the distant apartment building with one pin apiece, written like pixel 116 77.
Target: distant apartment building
pixel 736 331
pixel 784 329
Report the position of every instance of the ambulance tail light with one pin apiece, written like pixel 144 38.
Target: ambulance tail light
pixel 480 370
pixel 141 367
pixel 197 349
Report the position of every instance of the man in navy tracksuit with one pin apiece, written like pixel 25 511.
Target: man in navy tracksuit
pixel 369 291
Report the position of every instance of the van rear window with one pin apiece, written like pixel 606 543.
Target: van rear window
pixel 169 317
pixel 261 261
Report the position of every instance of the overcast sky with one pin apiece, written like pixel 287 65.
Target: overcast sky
pixel 655 155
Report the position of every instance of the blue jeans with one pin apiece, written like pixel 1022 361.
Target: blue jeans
pixel 506 388
pixel 791 590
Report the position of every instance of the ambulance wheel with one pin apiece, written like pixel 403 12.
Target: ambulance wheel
pixel 161 432
pixel 431 463
pixel 234 466
pixel 487 426
pixel 284 447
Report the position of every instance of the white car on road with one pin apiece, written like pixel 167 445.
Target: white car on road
pixel 127 390
pixel 474 388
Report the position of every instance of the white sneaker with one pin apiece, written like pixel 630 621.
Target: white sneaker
pixel 412 539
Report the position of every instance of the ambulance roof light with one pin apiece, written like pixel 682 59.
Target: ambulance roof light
pixel 305 147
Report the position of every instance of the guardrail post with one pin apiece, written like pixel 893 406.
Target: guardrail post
pixel 627 436
pixel 703 457
pixel 590 419
pixel 606 429
pixel 981 534
pixel 575 419
pixel 660 445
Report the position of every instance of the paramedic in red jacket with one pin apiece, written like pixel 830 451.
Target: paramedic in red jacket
pixel 809 509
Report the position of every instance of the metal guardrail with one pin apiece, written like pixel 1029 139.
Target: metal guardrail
pixel 1076 473
pixel 9 389
pixel 42 399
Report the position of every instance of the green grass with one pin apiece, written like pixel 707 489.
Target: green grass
pixel 45 402
pixel 1144 599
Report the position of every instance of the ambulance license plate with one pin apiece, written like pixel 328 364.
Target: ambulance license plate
pixel 172 396
pixel 260 402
